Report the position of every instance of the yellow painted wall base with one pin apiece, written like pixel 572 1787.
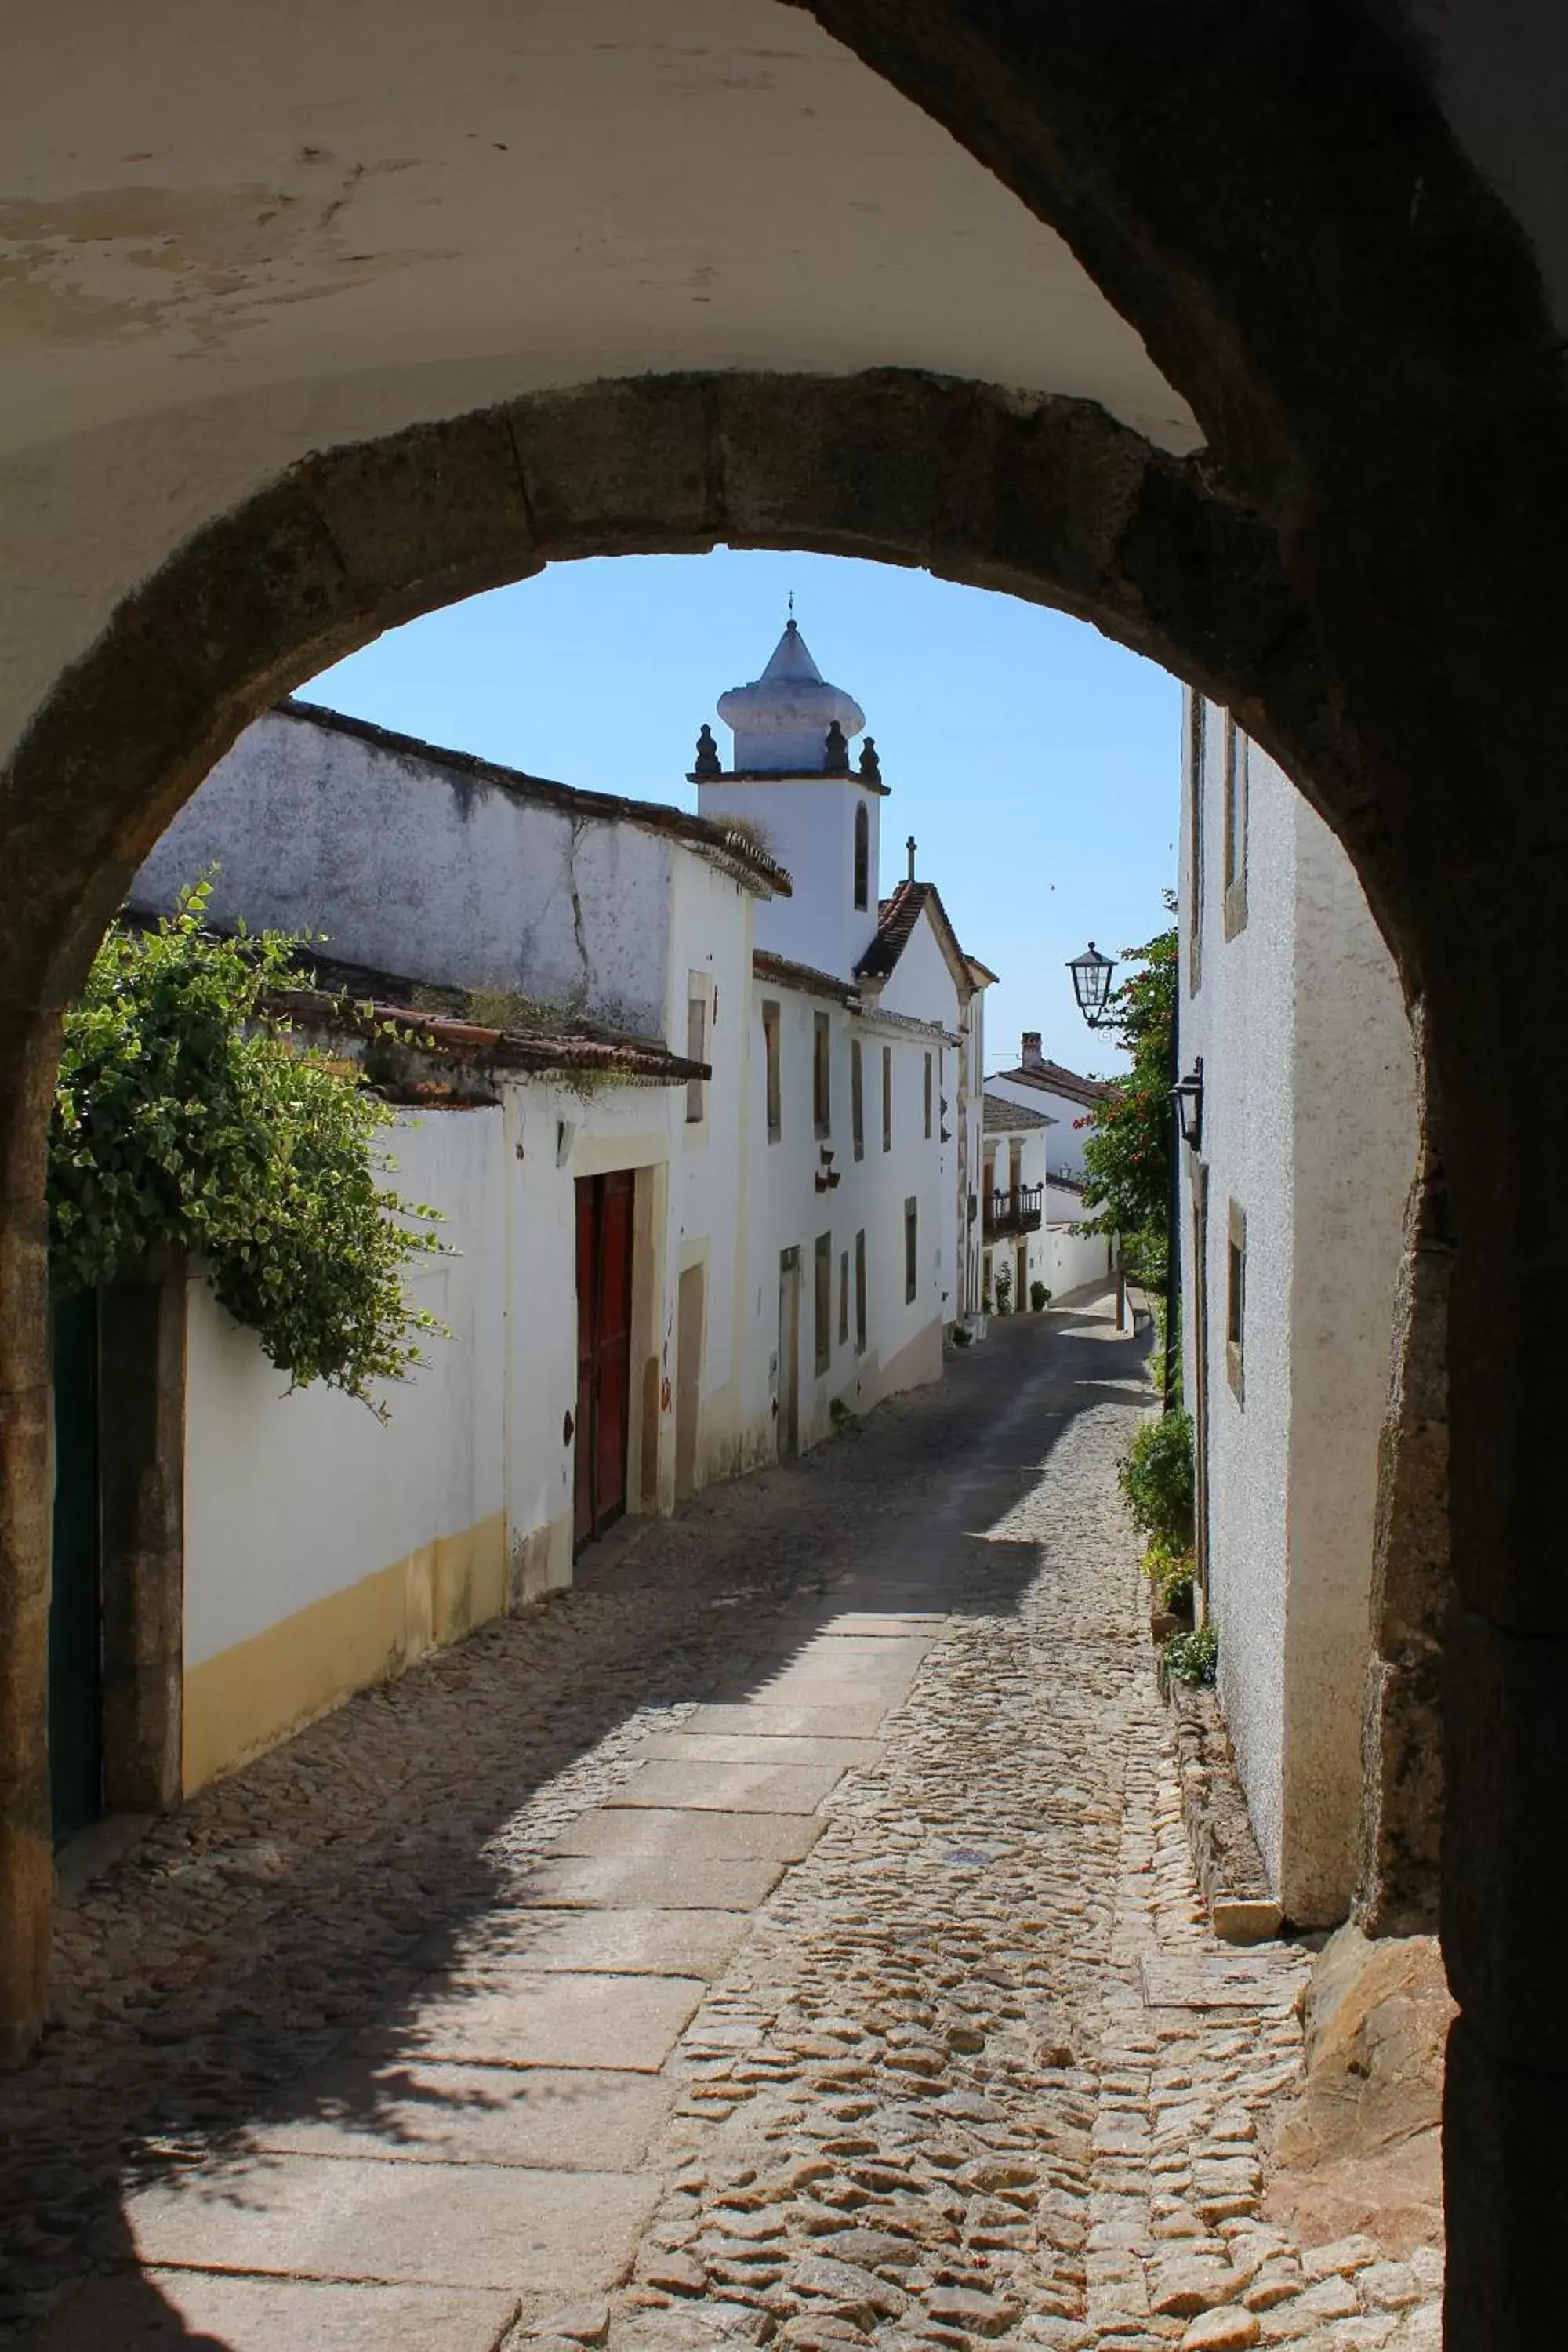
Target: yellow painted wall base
pixel 254 1695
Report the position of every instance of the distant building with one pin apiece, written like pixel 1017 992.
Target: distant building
pixel 1068 1101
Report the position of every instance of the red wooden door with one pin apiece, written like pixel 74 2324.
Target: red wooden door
pixel 603 1350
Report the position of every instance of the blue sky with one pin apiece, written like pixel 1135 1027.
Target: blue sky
pixel 1035 764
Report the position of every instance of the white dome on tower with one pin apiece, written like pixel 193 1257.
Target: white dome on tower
pixel 781 720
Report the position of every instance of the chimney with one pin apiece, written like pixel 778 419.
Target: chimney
pixel 1033 1057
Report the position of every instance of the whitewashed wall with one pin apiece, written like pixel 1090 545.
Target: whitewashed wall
pixel 293 1500
pixel 809 823
pixel 1072 1120
pixel 408 867
pixel 1309 1127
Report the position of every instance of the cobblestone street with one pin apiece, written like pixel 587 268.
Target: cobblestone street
pixel 786 1937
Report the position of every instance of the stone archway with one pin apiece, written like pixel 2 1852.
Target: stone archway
pixel 1047 499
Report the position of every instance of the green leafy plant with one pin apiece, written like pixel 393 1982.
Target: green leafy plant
pixel 186 1113
pixel 1156 1477
pixel 1039 1298
pixel 1192 1657
pixel 1003 1290
pixel 963 1336
pixel 843 1417
pixel 1171 1568
pixel 1127 1152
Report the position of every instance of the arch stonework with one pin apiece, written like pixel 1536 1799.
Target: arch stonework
pixel 1043 497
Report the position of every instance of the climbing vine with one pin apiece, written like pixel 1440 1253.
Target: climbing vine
pixel 186 1113
pixel 1126 1154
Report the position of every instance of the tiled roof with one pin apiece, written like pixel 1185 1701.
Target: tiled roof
pixel 709 836
pixel 1051 1079
pixel 633 1059
pixel 896 919
pixel 1012 1119
pixel 804 977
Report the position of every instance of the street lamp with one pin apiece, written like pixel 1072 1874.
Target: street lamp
pixel 1187 1095
pixel 1091 985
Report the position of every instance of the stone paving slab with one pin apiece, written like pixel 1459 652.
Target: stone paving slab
pixel 622 2023
pixel 630 1941
pixel 471 2225
pixel 162 2311
pixel 692 1836
pixel 707 1787
pixel 861 1720
pixel 574 2119
pixel 631 1880
pixel 757 1747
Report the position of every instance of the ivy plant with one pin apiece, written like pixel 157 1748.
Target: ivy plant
pixel 1127 1153
pixel 187 1113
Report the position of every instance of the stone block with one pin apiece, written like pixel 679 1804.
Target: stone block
pixel 618 2021
pixel 689 1835
pixel 627 1941
pixel 636 1881
pixel 471 2226
pixel 566 2118
pixel 730 1787
pixel 181 2309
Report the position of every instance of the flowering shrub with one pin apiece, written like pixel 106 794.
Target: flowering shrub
pixel 1126 1154
pixel 186 1113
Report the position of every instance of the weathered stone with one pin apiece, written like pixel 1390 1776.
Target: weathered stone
pixel 1222 2331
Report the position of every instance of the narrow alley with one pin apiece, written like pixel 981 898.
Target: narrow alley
pixel 788 1934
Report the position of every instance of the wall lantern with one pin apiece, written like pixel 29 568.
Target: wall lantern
pixel 1091 985
pixel 1187 1094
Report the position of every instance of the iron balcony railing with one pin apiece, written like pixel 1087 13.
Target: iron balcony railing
pixel 1018 1210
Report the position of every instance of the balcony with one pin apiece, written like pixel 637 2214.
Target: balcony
pixel 1019 1211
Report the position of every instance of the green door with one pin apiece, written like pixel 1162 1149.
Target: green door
pixel 76 1674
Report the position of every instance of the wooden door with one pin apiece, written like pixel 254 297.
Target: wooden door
pixel 76 1652
pixel 788 1404
pixel 603 1351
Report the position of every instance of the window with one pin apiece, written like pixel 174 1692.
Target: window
pixel 770 1048
pixel 696 1048
pixel 1235 1299
pixel 862 857
pixel 928 1098
pixel 856 1099
pixel 823 1331
pixel 821 1097
pixel 1197 716
pixel 887 1099
pixel 844 1298
pixel 1234 828
pixel 911 1249
pixel 860 1294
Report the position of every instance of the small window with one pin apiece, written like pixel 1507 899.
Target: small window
pixel 887 1099
pixel 775 1092
pixel 860 1294
pixel 862 857
pixel 696 1051
pixel 928 1098
pixel 821 1096
pixel 911 1249
pixel 1235 1300
pixel 856 1099
pixel 1234 828
pixel 1197 716
pixel 822 1328
pixel 844 1298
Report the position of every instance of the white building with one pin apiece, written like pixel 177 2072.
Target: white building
pixel 1292 1211
pixel 701 1189
pixel 1016 1248
pixel 1069 1259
